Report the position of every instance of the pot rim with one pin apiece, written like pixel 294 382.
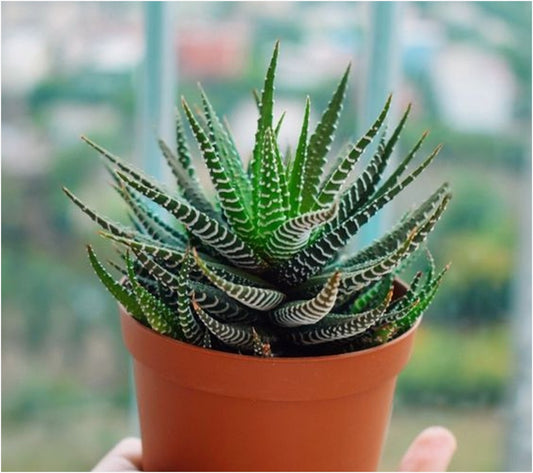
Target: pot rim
pixel 287 360
pixel 278 359
pixel 273 378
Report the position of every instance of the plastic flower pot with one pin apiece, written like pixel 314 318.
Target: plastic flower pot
pixel 208 410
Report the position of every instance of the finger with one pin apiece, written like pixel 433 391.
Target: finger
pixel 432 450
pixel 125 456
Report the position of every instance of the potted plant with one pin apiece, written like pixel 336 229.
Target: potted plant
pixel 257 344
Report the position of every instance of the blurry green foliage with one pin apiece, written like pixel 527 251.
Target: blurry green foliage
pixel 479 236
pixel 86 86
pixel 506 152
pixel 475 371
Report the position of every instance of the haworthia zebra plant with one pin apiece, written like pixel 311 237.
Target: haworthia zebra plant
pixel 261 270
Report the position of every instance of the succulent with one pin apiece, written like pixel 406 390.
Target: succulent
pixel 261 270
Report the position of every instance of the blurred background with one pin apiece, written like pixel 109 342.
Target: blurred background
pixel 114 71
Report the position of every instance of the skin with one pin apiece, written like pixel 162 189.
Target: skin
pixel 431 450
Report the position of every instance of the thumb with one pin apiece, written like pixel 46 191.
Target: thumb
pixel 432 450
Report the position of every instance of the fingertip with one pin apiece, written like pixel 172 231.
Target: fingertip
pixel 431 450
pixel 440 435
pixel 129 443
pixel 124 456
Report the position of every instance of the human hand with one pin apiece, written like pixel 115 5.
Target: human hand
pixel 432 450
pixel 124 456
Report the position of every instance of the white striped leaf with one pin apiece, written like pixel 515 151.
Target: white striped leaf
pixel 123 295
pixel 424 218
pixel 107 224
pixel 271 212
pixel 233 207
pixel 296 175
pixel 312 259
pixel 210 231
pixel 169 254
pixel 152 224
pixel 319 144
pixel 218 303
pixel 210 297
pixel 188 185
pixel 234 335
pixel 294 234
pixel 257 298
pixel 354 281
pixel 297 313
pixel 220 137
pixel 158 315
pixel 170 258
pixel 393 179
pixel 264 122
pixel 338 328
pixel 358 193
pixel 356 278
pixel 191 328
pixel 330 189
pixel 121 164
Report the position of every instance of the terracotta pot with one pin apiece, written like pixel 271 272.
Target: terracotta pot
pixel 208 410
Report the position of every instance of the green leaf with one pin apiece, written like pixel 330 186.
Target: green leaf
pixel 375 292
pixel 210 231
pixel 283 179
pixel 261 347
pixel 426 297
pixel 234 335
pixel 424 219
pixel 257 298
pixel 218 303
pixel 187 184
pixel 158 315
pixel 338 327
pixel 265 121
pixel 297 175
pixel 358 194
pixel 319 144
pixel 278 126
pixel 294 234
pixel 233 207
pixel 294 314
pixel 257 99
pixel 220 137
pixel 192 331
pixel 344 167
pixel 393 179
pixel 107 224
pixel 312 259
pixel 151 222
pixel 271 212
pixel 117 290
